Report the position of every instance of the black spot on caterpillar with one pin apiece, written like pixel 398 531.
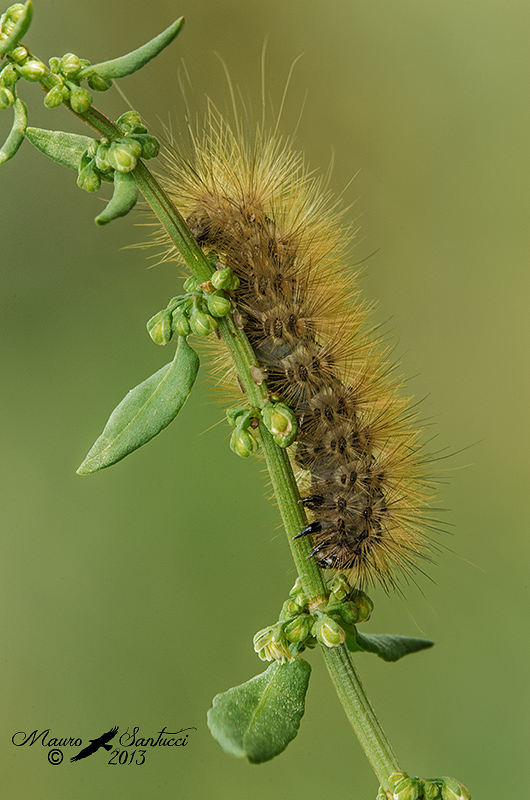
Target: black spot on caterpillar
pixel 254 203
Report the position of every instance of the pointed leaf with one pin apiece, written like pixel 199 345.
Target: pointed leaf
pixel 19 29
pixel 259 718
pixel 129 63
pixel 123 198
pixel 385 645
pixel 18 129
pixel 145 411
pixel 65 148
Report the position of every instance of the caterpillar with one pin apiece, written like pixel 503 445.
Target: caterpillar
pixel 250 199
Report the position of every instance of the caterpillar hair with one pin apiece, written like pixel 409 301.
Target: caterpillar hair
pixel 251 199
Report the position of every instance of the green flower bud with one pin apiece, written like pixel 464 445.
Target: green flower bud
pixel 101 157
pixel 54 97
pixel 381 794
pixel 19 55
pixel 149 144
pixel 32 70
pixel 7 98
pixel 159 328
pixel 218 304
pixel 404 787
pixel 340 587
pixel 80 99
pixel 180 323
pixel 13 13
pixel 222 278
pixel 191 284
pixel 432 790
pixel 88 179
pixel 9 75
pixel 452 790
pixel 242 443
pixel 54 63
pixel 289 609
pixel 97 83
pixel 299 628
pixel 327 631
pixel 123 156
pixel 202 324
pixel 281 422
pixel 128 120
pixel 70 65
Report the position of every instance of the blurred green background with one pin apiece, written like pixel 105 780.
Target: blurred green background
pixel 131 597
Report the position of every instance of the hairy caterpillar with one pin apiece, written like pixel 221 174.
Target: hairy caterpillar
pixel 251 200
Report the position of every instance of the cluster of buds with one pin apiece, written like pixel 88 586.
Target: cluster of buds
pixel 103 157
pixel 407 787
pixel 21 64
pixel 302 624
pixel 242 420
pixel 197 311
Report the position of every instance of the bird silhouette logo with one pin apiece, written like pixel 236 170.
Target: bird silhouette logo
pixel 95 744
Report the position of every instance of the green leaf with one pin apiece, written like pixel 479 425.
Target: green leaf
pixel 129 63
pixel 258 719
pixel 385 645
pixel 145 411
pixel 16 135
pixel 19 29
pixel 123 198
pixel 65 148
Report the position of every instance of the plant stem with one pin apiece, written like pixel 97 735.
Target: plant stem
pixel 338 661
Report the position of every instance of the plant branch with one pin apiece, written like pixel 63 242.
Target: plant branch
pixel 341 669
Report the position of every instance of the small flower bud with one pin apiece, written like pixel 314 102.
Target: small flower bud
pixel 149 144
pixel 289 609
pixel 54 64
pixel 13 13
pixel 88 179
pixel 7 98
pixel 70 65
pixel 159 328
pixel 432 790
pixel 452 790
pixel 281 422
pixel 123 156
pixel 80 99
pixel 97 83
pixel 128 120
pixel 327 631
pixel 218 304
pixel 9 75
pixel 191 284
pixel 404 787
pixel 32 70
pixel 180 323
pixel 340 587
pixel 54 97
pixel 242 443
pixel 299 628
pixel 222 278
pixel 19 54
pixel 101 157
pixel 202 324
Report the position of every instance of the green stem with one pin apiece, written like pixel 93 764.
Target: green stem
pixel 341 669
pixel 360 712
